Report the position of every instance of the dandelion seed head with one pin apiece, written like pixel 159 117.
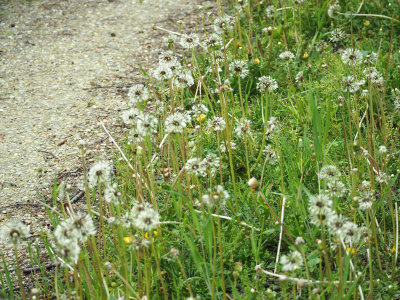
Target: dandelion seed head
pixel 213 41
pixel 137 93
pixel 365 200
pixel 176 123
pixel 336 35
pixel 352 57
pixel 333 8
pixel 223 24
pixel 291 262
pixel 243 128
pixel 131 115
pixel 100 174
pixel 13 232
pixel 336 188
pixel 196 166
pixel 270 155
pixel 189 41
pixel 266 83
pixel 112 195
pixel 216 124
pixel 329 173
pixel 239 68
pixel 162 72
pixel 286 56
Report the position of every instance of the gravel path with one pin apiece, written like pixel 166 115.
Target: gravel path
pixel 63 65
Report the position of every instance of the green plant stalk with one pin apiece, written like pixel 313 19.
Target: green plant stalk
pixel 241 98
pixel 102 240
pixel 89 281
pixel 158 267
pixel 17 268
pixel 184 276
pixel 325 253
pixel 371 272
pixel 263 136
pixel 87 192
pixel 97 266
pixel 221 254
pixel 214 256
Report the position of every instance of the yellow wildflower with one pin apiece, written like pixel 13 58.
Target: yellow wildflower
pixel 146 235
pixel 201 118
pixel 129 239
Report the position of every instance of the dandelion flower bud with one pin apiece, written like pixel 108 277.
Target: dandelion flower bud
pixel 174 252
pixel 253 183
pixel 108 265
pixel 299 240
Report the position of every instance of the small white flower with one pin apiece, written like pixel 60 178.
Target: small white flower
pixel 167 57
pixel 351 233
pixel 382 178
pixel 373 75
pixel 223 148
pixel 183 78
pixel 335 225
pixel 69 253
pixel 365 200
pixel 318 203
pixel 198 110
pixel 351 85
pixel 269 11
pixel 111 194
pixel 299 77
pixel 336 188
pixel 253 183
pixel 135 136
pixel 131 115
pixel 82 226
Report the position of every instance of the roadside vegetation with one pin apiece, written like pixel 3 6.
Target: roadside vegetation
pixel 261 162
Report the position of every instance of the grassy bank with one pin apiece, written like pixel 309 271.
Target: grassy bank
pixel 261 162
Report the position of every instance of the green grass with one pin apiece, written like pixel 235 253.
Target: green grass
pixel 241 246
